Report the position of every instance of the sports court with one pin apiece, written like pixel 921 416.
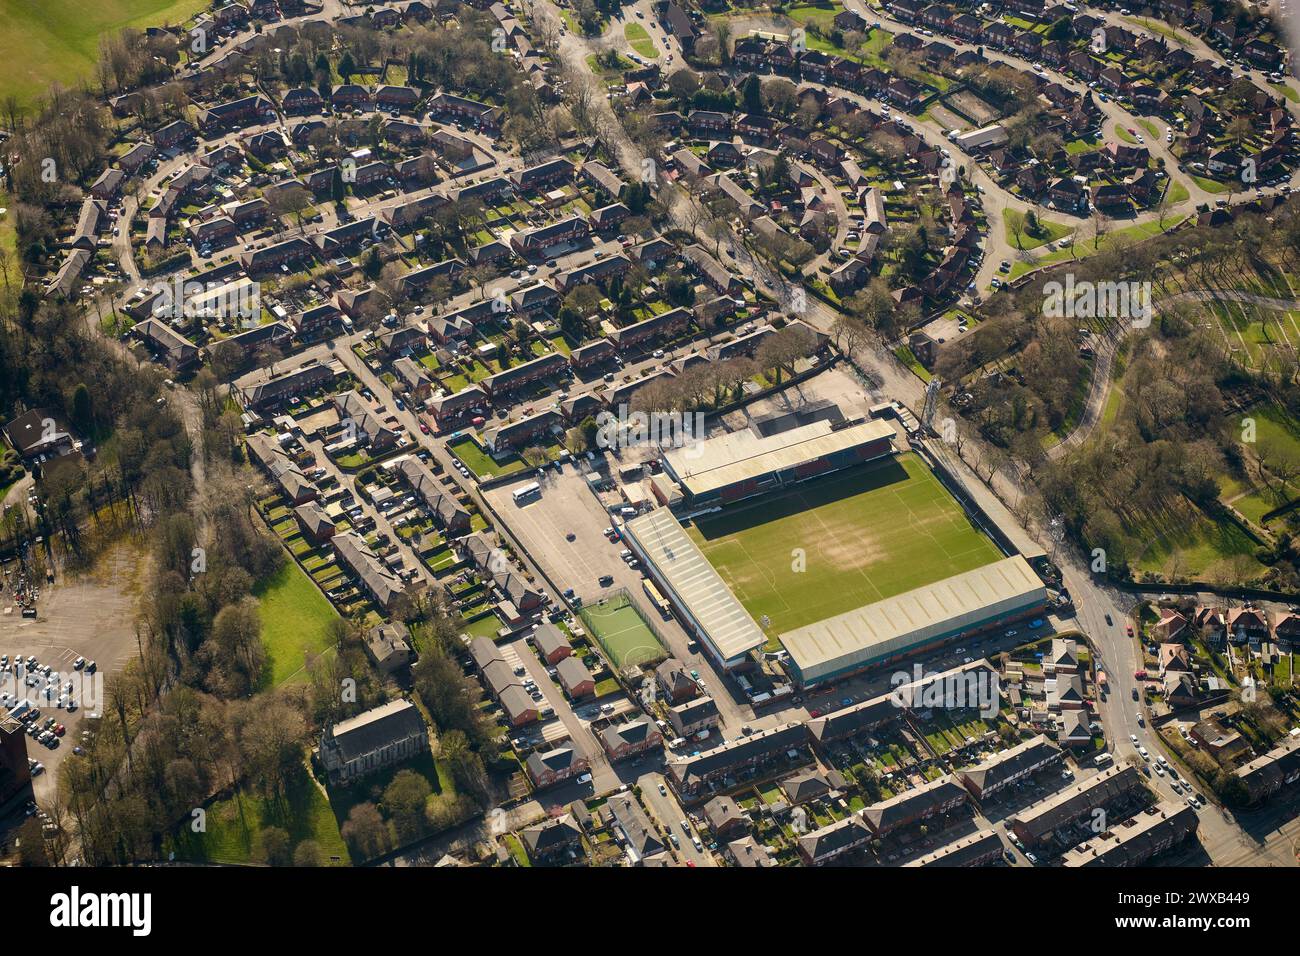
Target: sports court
pixel 842 542
pixel 621 631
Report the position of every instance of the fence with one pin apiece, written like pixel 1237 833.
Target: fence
pixel 617 600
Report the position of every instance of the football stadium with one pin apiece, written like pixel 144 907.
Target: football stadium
pixel 854 556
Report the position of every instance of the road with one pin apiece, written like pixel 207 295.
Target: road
pixel 669 815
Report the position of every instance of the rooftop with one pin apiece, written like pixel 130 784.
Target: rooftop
pixel 894 624
pixel 728 625
pixel 716 463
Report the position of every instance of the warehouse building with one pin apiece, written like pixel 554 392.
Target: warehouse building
pixel 706 605
pixel 917 620
pixel 742 464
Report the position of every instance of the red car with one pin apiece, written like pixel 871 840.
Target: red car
pixel 814 713
pixel 60 730
pixel 1129 629
pixel 1140 675
pixel 423 427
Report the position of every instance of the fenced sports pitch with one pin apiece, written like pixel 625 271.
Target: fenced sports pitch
pixel 626 636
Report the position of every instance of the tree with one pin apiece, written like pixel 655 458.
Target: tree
pixel 404 800
pixel 364 832
pixel 1015 220
pixel 31 849
pixel 781 350
pixel 82 416
pixel 347 66
pixel 751 94
pixel 373 264
pixel 308 853
pixel 275 847
pixel 235 648
pixel 683 84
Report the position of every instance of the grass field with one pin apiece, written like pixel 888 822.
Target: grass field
pixel 622 633
pixel 1277 439
pixel 640 40
pixel 875 532
pixel 235 825
pixel 480 462
pixel 1086 247
pixel 42 41
pixel 1184 543
pixel 295 618
pixel 1256 334
pixel 1048 231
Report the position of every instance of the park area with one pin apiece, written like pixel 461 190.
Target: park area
pixel 44 41
pixel 624 634
pixel 233 828
pixel 842 542
pixel 296 621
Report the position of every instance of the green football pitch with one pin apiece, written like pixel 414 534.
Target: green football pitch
pixel 625 636
pixel 842 542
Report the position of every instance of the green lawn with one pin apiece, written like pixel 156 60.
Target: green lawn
pixel 1276 433
pixel 235 825
pixel 1150 128
pixel 1209 185
pixel 478 461
pixel 1277 438
pixel 595 66
pixel 1258 335
pixel 1186 542
pixel 640 40
pixel 1160 27
pixel 877 531
pixel 1286 90
pixel 823 15
pixel 1177 193
pixel 905 355
pixel 295 618
pixel 1084 247
pixel 1048 231
pixel 46 40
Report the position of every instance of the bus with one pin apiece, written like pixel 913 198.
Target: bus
pixel 656 598
pixel 527 491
